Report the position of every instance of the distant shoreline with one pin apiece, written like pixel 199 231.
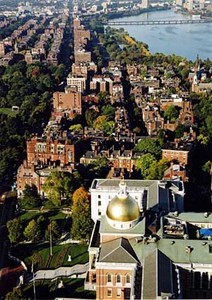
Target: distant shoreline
pixel 130 13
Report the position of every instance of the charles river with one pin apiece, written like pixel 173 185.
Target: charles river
pixel 186 40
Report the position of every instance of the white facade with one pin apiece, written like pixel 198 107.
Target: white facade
pixel 78 82
pixel 102 195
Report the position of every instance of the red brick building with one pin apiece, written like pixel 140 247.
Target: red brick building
pixel 68 104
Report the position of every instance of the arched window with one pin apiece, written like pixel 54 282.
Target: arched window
pixel 109 278
pixel 118 278
pixel 127 278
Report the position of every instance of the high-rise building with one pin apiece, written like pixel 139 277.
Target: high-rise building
pixel 201 4
pixel 145 4
pixel 190 5
pixel 2 49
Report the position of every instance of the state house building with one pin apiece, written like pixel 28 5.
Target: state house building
pixel 143 246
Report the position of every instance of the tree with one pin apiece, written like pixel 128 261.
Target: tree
pixel 152 146
pixel 53 227
pixel 109 111
pixel 207 166
pixel 98 124
pixel 90 116
pixel 157 169
pixel 15 294
pixel 60 185
pixel 32 232
pixel 171 113
pixel 15 230
pixel 179 131
pixel 102 123
pixel 76 128
pixel 204 140
pixel 30 197
pixel 144 163
pixel 104 98
pixel 99 168
pixel 81 217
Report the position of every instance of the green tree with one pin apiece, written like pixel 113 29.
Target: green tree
pixel 179 131
pixel 109 111
pixel 100 167
pixel 152 146
pixel 204 140
pixel 207 166
pixel 144 163
pixel 104 98
pixel 157 169
pixel 171 113
pixel 60 185
pixel 90 116
pixel 32 231
pixel 76 128
pixel 54 229
pixel 14 228
pixel 30 197
pixel 81 217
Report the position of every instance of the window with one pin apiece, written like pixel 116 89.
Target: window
pixel 109 292
pixel 127 278
pixel 118 278
pixel 99 203
pixel 99 196
pixel 109 278
pixel 118 293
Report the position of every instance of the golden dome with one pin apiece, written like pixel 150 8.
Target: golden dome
pixel 123 208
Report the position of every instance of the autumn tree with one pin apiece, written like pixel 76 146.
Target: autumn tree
pixel 102 123
pixel 81 216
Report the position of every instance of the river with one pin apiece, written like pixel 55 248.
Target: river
pixel 186 40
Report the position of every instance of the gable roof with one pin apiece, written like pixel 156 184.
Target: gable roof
pixel 119 251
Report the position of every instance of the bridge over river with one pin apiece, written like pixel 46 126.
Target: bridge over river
pixel 159 22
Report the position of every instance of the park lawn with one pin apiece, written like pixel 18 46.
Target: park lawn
pixel 78 253
pixel 41 255
pixel 48 289
pixel 34 214
pixel 59 216
pixel 8 111
pixel 29 215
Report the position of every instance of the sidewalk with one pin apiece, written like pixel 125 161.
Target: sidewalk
pixel 61 272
